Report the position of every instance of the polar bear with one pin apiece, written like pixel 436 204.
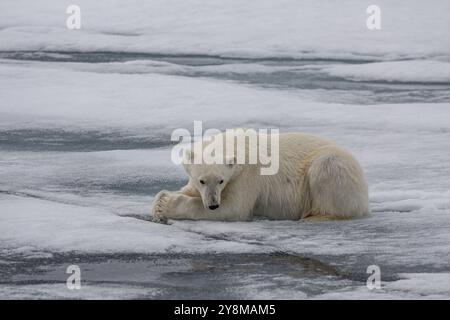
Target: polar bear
pixel 316 179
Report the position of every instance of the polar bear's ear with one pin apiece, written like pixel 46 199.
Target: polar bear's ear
pixel 230 161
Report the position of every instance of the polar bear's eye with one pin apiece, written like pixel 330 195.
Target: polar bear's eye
pixel 221 181
pixel 202 182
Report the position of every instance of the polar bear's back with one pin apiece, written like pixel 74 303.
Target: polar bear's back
pixel 288 194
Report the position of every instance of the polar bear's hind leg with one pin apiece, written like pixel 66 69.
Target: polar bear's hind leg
pixel 337 187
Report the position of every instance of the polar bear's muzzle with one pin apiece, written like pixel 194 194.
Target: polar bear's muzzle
pixel 212 204
pixel 212 201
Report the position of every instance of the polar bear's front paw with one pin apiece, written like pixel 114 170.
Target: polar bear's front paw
pixel 160 207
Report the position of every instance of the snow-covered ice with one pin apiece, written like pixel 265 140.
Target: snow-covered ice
pixel 421 71
pixel 288 28
pixel 85 124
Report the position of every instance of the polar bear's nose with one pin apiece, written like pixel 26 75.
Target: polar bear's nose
pixel 213 207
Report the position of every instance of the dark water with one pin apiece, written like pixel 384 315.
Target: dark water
pixel 80 140
pixel 221 276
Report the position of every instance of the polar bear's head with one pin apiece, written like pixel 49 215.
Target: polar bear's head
pixel 210 179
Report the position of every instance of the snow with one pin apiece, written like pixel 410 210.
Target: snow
pixel 287 28
pixel 412 286
pixel 61 97
pixel 60 292
pixel 395 71
pixel 31 225
pixel 82 104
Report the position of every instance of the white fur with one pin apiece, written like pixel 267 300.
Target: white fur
pixel 316 178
